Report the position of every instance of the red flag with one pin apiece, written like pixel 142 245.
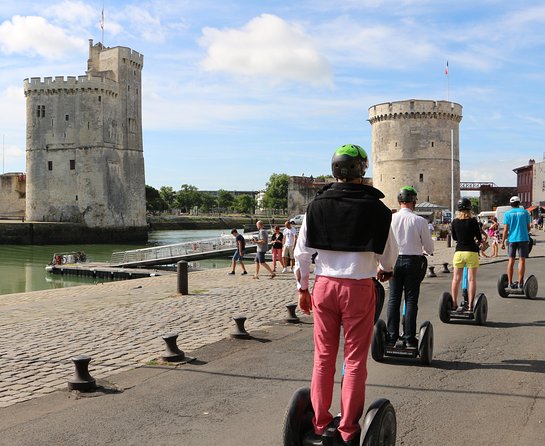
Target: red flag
pixel 446 69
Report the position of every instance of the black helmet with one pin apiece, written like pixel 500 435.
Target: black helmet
pixel 464 204
pixel 349 162
pixel 407 194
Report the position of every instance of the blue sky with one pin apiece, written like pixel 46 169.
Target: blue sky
pixel 234 91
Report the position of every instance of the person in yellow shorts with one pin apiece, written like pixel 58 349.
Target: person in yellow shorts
pixel 467 234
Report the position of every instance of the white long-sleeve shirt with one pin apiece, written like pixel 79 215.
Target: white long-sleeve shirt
pixel 341 264
pixel 412 233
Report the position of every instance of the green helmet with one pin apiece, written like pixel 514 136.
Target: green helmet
pixel 407 194
pixel 349 162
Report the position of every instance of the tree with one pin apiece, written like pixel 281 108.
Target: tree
pixel 245 204
pixel 168 195
pixel 276 192
pixel 225 199
pixel 154 201
pixel 208 202
pixel 474 204
pixel 187 197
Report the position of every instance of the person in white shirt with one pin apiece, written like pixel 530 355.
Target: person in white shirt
pixel 348 226
pixel 413 239
pixel 288 245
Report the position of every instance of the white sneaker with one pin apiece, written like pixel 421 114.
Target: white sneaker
pixel 291 270
pixel 285 270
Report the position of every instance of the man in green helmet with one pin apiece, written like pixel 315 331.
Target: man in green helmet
pixel 348 227
pixel 413 239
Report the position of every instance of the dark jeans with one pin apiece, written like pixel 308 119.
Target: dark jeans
pixel 407 273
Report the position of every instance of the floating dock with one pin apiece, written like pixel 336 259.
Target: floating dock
pixel 103 271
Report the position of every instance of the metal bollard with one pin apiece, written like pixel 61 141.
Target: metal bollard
pixel 241 332
pixel 445 268
pixel 292 319
pixel 449 240
pixel 172 352
pixel 82 380
pixel 432 272
pixel 182 284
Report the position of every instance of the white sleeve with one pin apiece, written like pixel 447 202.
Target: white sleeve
pixel 387 259
pixel 303 258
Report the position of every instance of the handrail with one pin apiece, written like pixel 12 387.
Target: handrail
pixel 178 249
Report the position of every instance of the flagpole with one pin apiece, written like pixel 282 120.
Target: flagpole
pixel 447 73
pixel 102 24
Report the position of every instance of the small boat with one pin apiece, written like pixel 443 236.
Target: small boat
pixel 66 258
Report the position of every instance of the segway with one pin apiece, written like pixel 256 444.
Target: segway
pixel 529 289
pixel 379 425
pixel 480 306
pixel 380 349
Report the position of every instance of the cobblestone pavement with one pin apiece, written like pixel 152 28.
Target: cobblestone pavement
pixel 120 324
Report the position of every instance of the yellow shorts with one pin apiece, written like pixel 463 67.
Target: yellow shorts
pixel 465 258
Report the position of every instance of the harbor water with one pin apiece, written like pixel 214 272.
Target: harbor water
pixel 22 267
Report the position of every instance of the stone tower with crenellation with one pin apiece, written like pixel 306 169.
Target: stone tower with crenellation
pixel 412 146
pixel 84 152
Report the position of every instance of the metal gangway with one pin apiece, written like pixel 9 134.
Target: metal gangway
pixel 189 251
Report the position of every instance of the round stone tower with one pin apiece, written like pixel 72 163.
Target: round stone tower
pixel 416 143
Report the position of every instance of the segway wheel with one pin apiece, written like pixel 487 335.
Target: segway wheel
pixel 379 424
pixel 481 309
pixel 379 341
pixel 503 283
pixel 425 344
pixel 530 287
pixel 445 305
pixel 423 267
pixel 379 302
pixel 298 418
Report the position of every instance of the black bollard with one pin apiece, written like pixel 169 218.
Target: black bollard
pixel 432 272
pixel 292 319
pixel 181 268
pixel 445 268
pixel 172 352
pixel 82 380
pixel 241 332
pixel 449 240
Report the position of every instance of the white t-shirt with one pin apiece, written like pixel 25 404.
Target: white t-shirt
pixel 289 236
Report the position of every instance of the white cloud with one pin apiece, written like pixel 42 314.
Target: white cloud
pixel 378 46
pixel 147 25
pixel 36 36
pixel 267 46
pixel 73 13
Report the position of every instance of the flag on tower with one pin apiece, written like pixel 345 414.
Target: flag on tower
pixel 446 69
pixel 102 20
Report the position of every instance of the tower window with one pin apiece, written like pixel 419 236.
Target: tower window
pixel 40 112
pixel 100 99
pixel 50 165
pixel 66 117
pixel 128 88
pixel 421 177
pixel 72 164
pixel 432 143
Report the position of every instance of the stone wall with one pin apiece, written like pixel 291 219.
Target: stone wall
pixel 12 195
pixel 492 197
pixel 18 233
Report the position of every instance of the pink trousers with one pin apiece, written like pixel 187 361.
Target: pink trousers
pixel 348 303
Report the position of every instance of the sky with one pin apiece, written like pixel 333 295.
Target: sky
pixel 234 91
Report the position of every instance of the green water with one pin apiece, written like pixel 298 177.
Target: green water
pixel 22 268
